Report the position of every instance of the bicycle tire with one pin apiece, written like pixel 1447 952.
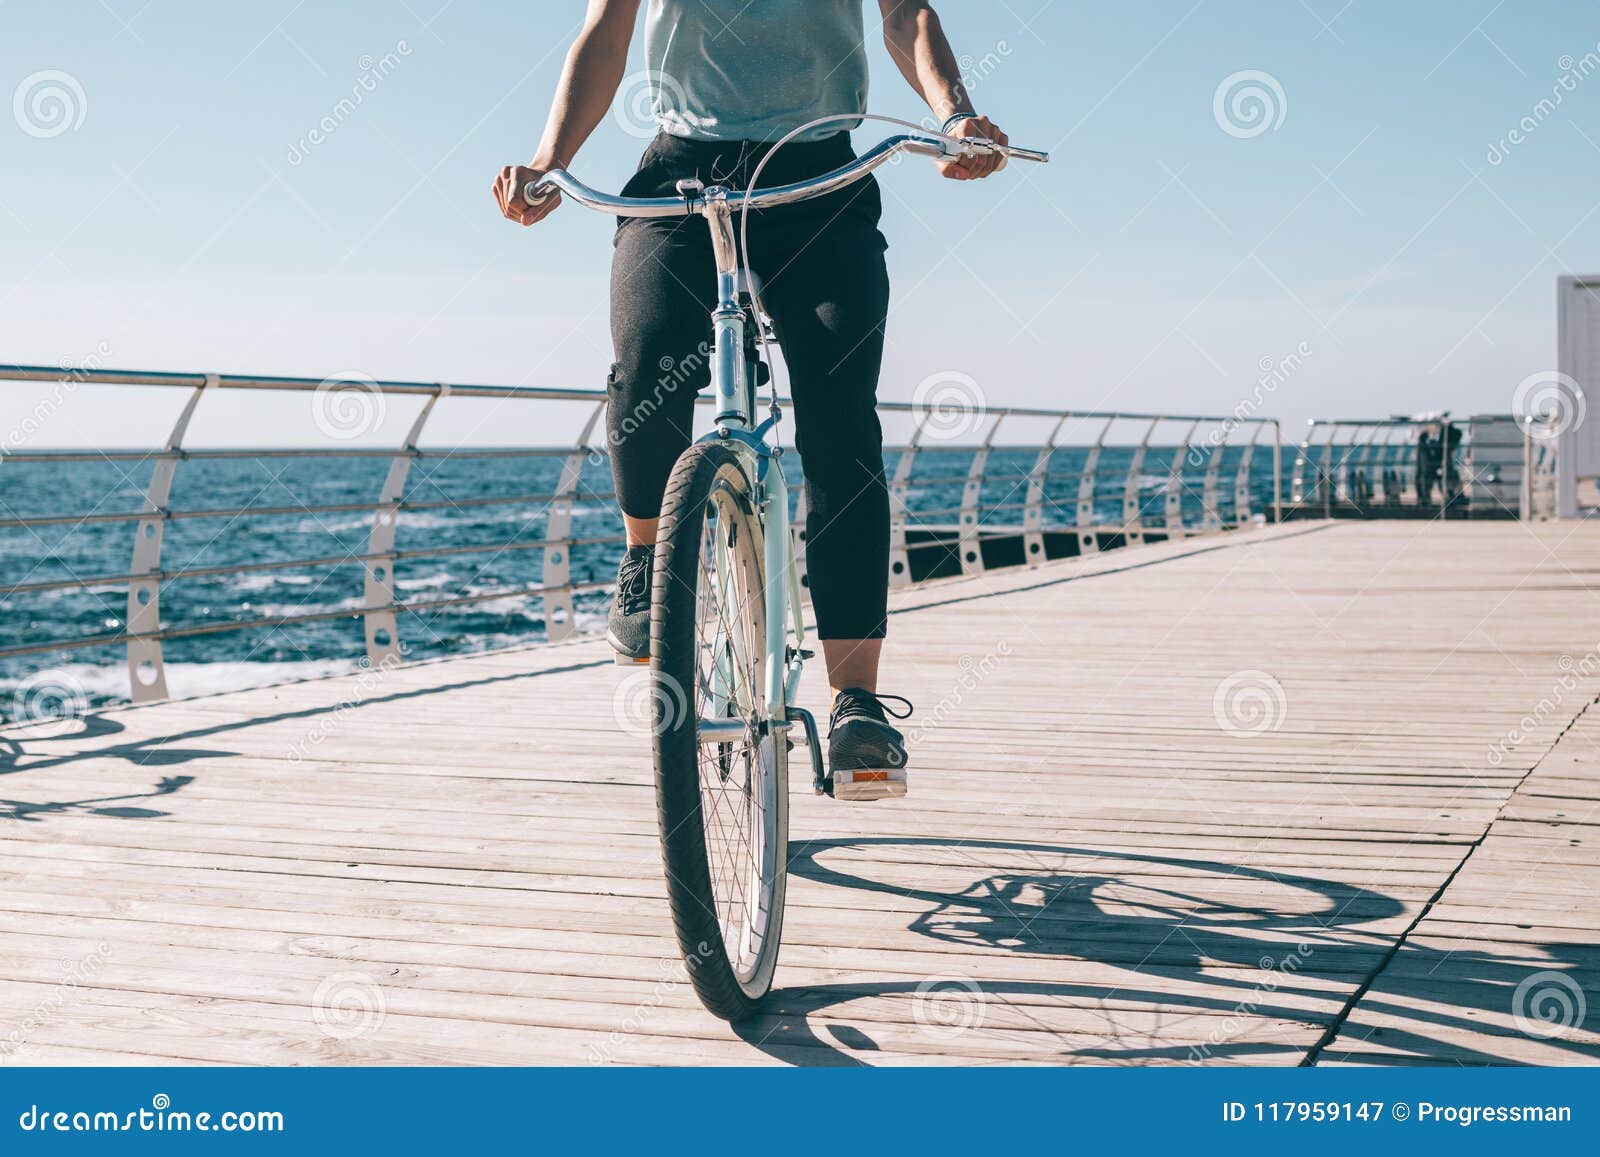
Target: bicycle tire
pixel 728 931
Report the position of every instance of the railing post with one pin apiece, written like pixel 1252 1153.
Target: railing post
pixel 1088 484
pixel 378 592
pixel 969 541
pixel 1172 500
pixel 560 618
pixel 1371 463
pixel 1132 508
pixel 1211 489
pixel 1033 552
pixel 1277 472
pixel 899 488
pixel 147 671
pixel 1241 481
pixel 1391 477
pixel 1525 491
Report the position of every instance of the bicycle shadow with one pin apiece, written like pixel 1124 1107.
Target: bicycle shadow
pixel 1153 930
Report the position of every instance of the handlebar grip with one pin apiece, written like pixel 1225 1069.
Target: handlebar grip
pixel 1026 154
pixel 983 147
pixel 537 192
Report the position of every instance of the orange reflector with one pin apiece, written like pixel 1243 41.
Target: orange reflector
pixel 870 776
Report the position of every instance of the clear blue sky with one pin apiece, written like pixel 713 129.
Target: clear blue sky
pixel 1154 265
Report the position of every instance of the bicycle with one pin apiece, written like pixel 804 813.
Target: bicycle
pixel 727 632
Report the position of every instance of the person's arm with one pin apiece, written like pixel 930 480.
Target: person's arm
pixel 916 41
pixel 589 82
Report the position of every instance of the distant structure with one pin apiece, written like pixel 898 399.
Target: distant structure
pixel 1576 417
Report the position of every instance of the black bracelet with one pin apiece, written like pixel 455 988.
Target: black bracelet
pixel 956 118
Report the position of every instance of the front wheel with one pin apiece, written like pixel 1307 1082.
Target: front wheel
pixel 721 775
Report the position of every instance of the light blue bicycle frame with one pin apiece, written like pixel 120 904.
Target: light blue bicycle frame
pixel 735 425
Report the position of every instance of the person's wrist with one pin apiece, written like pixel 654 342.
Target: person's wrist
pixel 956 118
pixel 544 161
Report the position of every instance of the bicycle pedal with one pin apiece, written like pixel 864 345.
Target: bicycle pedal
pixel 861 784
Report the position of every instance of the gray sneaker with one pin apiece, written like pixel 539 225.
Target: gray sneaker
pixel 628 626
pixel 866 754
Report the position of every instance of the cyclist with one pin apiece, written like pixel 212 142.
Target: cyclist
pixel 728 78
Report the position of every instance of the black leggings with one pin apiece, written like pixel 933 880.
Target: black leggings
pixel 823 279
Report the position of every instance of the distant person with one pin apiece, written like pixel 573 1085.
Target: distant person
pixel 1427 465
pixel 1449 448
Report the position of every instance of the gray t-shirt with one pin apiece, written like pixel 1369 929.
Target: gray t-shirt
pixel 730 70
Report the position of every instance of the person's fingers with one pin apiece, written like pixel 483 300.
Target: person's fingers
pixel 533 214
pixel 506 193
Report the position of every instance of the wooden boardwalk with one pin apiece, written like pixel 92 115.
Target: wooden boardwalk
pixel 1318 793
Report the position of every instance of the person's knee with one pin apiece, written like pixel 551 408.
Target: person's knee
pixel 842 450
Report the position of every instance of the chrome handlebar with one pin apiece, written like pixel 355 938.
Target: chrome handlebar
pixel 692 200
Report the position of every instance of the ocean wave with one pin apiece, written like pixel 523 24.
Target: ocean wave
pixel 247 583
pixel 427 582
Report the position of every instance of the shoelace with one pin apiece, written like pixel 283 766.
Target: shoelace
pixel 855 702
pixel 633 582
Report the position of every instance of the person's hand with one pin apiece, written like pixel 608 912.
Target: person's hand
pixel 508 187
pixel 972 168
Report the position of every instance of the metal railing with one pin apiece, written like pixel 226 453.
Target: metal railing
pixel 1356 463
pixel 1470 467
pixel 1039 521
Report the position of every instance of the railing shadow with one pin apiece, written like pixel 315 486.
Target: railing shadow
pixel 1155 930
